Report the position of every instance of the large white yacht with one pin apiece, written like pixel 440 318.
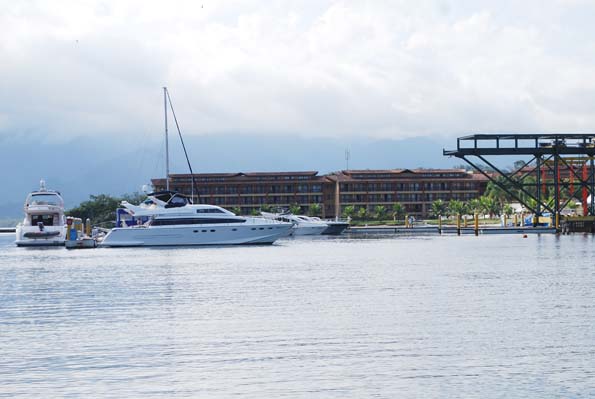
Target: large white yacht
pixel 44 223
pixel 167 219
pixel 304 225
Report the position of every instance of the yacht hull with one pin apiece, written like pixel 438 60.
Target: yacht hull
pixel 301 230
pixel 189 235
pixel 39 243
pixel 33 237
pixel 335 228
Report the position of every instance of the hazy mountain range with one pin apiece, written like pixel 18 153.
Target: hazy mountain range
pixel 95 165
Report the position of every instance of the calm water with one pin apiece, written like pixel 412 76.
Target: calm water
pixel 433 317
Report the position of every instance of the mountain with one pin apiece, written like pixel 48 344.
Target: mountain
pixel 93 165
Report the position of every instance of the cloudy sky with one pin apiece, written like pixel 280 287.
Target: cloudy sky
pixel 379 69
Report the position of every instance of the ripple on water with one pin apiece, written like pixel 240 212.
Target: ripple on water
pixel 387 317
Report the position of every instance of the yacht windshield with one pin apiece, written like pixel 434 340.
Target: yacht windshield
pixel 177 201
pixel 45 199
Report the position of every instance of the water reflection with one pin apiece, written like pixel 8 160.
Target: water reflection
pixel 491 316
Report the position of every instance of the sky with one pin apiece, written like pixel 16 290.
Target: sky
pixel 277 85
pixel 335 69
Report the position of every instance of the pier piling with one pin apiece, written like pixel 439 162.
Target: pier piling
pixel 458 224
pixel 476 224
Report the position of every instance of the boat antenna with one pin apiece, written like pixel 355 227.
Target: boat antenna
pixel 347 157
pixel 182 141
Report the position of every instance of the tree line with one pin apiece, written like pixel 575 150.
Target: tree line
pixel 101 208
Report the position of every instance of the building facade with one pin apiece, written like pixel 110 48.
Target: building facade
pixel 415 189
pixel 250 191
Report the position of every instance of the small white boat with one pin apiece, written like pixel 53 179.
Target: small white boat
pixel 170 219
pixel 44 223
pixel 304 225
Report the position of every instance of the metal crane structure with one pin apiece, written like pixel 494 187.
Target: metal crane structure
pixel 560 171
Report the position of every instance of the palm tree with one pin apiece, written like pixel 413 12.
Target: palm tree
pixel 487 204
pixel 491 206
pixel 398 211
pixel 362 213
pixel 314 210
pixel 497 192
pixel 438 208
pixel 349 211
pixel 379 211
pixel 456 207
pixel 474 205
pixel 296 209
pixel 237 210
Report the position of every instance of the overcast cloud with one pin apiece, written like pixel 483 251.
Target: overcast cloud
pixel 382 69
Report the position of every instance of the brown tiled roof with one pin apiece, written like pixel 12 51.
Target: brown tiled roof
pixel 420 170
pixel 396 171
pixel 478 176
pixel 371 171
pixel 306 173
pixel 205 175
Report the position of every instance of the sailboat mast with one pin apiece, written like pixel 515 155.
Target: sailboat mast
pixel 166 140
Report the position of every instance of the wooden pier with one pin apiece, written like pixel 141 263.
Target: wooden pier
pixel 450 230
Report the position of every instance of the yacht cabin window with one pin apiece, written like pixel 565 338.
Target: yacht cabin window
pixel 45 199
pixel 209 210
pixel 176 201
pixel 182 221
pixel 47 220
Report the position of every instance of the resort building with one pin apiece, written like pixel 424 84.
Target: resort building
pixel 250 191
pixel 415 189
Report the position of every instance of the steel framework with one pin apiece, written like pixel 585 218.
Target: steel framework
pixel 561 168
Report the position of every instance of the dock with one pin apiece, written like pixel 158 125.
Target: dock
pixel 8 229
pixel 393 230
pixel 435 230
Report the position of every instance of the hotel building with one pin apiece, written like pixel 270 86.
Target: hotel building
pixel 415 189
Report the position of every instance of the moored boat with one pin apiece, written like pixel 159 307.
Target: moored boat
pixel 304 225
pixel 44 222
pixel 170 219
pixel 335 227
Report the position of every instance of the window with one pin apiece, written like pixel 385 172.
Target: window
pixel 47 220
pixel 45 199
pixel 183 221
pixel 209 210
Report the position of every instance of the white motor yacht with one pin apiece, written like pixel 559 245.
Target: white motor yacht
pixel 304 225
pixel 170 219
pixel 44 223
